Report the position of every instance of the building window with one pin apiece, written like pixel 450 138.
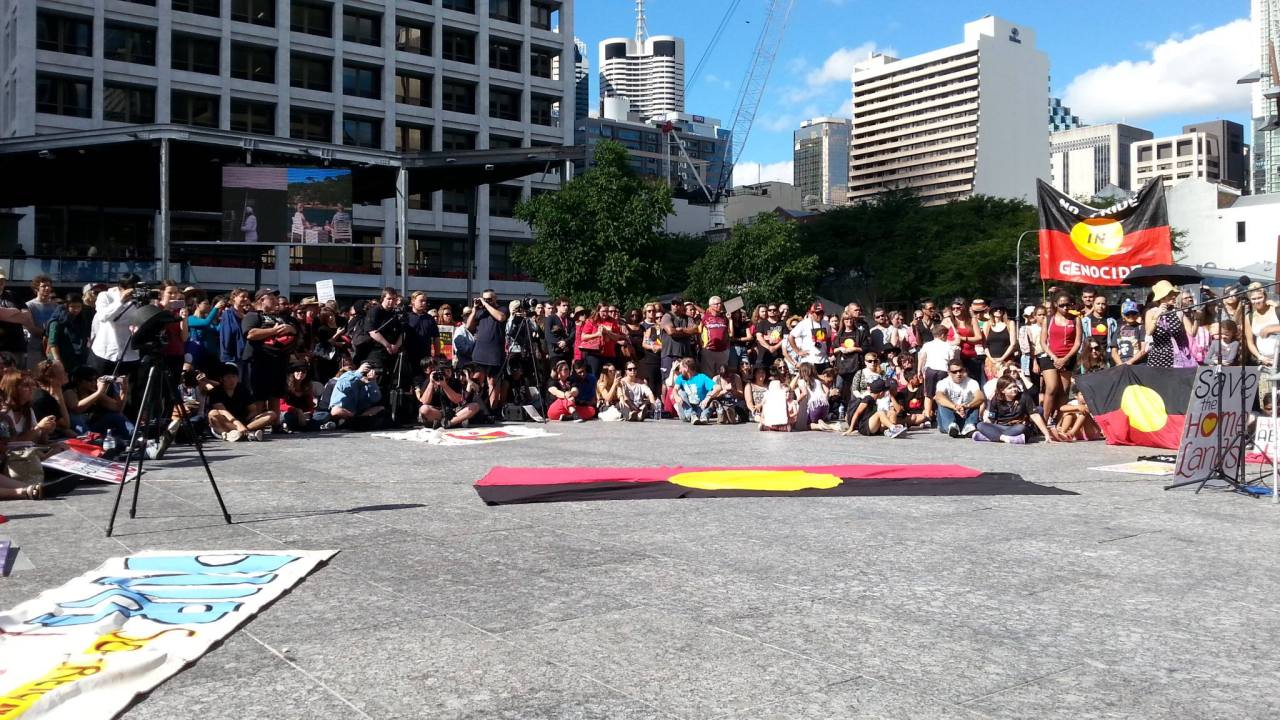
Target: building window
pixel 315 125
pixel 195 53
pixel 413 89
pixel 504 104
pixel 361 81
pixel 542 110
pixel 211 8
pixel 258 12
pixel 505 10
pixel 128 43
pixel 441 256
pixel 502 264
pixel 128 103
pixel 364 28
pixel 59 95
pixel 542 62
pixel 311 18
pixel 413 38
pixel 253 117
pixel 1240 235
pixel 361 132
pixel 504 55
pixel 458 96
pixel 253 62
pixel 413 138
pixel 310 72
pixel 541 16
pixel 503 200
pixel 193 109
pixel 459 46
pixel 455 201
pixel 454 140
pixel 503 142
pixel 64 33
pixel 466 6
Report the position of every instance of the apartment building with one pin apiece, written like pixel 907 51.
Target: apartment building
pixel 1084 160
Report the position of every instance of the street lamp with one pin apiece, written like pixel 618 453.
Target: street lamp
pixel 1017 266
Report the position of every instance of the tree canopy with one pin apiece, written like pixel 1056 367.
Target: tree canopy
pixel 763 261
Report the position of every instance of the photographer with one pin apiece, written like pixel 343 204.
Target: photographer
pixel 111 329
pixel 488 324
pixel 356 398
pixel 13 320
pixel 441 395
pixel 386 329
pixel 521 344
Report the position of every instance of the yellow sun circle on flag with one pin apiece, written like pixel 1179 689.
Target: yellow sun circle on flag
pixel 770 480
pixel 1097 238
pixel 1144 407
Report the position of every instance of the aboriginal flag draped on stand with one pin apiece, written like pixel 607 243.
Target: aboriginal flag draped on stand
pixel 1138 404
pixel 1086 245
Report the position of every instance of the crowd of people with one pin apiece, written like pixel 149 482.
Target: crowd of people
pixel 245 364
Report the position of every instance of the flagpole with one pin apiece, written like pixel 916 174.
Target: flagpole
pixel 1017 265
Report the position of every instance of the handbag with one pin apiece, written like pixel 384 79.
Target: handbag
pixel 23 464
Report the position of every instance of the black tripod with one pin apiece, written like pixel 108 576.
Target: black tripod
pixel 1238 445
pixel 160 391
pixel 521 334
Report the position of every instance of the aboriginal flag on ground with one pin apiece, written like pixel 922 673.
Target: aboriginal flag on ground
pixel 507 485
pixel 1087 245
pixel 1139 405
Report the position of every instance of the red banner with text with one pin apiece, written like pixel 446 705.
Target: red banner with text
pixel 1087 245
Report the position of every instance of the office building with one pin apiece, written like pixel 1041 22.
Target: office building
pixel 647 71
pixel 1204 151
pixel 1224 229
pixel 582 80
pixel 961 120
pixel 413 77
pixel 1060 117
pixel 1084 160
pixel 1265 153
pixel 821 161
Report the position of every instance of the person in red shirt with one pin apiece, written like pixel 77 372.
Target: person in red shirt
pixel 714 331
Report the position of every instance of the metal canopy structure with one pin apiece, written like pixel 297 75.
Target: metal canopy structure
pixel 177 167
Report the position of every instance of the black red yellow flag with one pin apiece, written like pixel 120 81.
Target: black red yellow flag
pixel 1095 246
pixel 1139 405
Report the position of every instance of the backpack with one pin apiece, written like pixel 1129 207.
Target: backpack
pixel 358 331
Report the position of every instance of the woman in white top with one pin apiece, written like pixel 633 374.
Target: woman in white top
pixel 1261 326
pixel 250 226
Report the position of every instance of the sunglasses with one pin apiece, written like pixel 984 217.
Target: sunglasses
pixel 957 372
pixel 1064 305
pixel 631 368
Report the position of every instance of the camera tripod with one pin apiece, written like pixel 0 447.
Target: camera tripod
pixel 522 336
pixel 160 391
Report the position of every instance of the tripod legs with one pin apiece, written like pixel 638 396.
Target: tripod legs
pixel 128 456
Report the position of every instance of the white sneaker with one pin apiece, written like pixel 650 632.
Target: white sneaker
pixel 233 436
pixel 257 435
pixel 331 425
pixel 968 431
pixel 895 431
pixel 1013 439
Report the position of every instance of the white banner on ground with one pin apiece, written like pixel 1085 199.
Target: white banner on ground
pixel 1214 422
pixel 84 650
pixel 78 463
pixel 325 292
pixel 472 436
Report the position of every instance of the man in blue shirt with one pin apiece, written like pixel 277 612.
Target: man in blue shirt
pixel 694 391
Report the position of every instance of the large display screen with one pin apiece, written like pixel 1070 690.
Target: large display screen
pixel 276 205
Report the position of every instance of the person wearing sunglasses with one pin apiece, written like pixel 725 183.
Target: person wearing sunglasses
pixel 1058 352
pixel 637 397
pixel 810 338
pixel 963 331
pixel 958 398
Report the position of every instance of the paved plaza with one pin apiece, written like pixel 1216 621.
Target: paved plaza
pixel 1115 600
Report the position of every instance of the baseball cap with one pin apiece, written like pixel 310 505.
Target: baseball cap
pixel 309 300
pixel 878 386
pixel 1129 307
pixel 263 292
pixel 1028 310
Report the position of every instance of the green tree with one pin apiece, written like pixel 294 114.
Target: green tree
pixel 762 261
pixel 592 238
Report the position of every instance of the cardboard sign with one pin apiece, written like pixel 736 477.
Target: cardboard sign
pixel 324 292
pixel 734 304
pixel 93 468
pixel 1214 421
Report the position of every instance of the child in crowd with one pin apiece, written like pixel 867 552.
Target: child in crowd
pixel 1227 342
pixel 1128 340
pixel 911 401
pixel 869 418
pixel 781 410
pixel 1074 420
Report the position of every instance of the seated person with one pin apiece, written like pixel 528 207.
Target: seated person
pixel 298 406
pixel 755 392
pixel 356 398
pixel 18 421
pixel 230 412
pixel 1008 415
pixel 637 398
pixel 780 410
pixel 487 392
pixel 727 397
pixel 1074 421
pixel 48 399
pixel 441 394
pixel 910 397
pixel 569 401
pixel 609 394
pixel 96 404
pixel 694 390
pixel 869 419
pixel 958 399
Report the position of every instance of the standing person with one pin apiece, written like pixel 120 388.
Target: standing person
pixel 810 338
pixel 1096 326
pixel 268 342
pixel 42 308
pixel 922 324
pixel 447 326
pixel 678 333
pixel 1261 326
pixel 558 331
pixel 715 337
pixel 962 331
pixel 999 338
pixel 741 337
pixel 846 355
pixel 958 398
pixel 1128 343
pixel 382 323
pixel 202 333
pixel 769 336
pixel 883 336
pixel 15 323
pixel 250 225
pixel 590 340
pixel 649 363
pixel 614 337
pixel 935 361
pixel 69 334
pixel 1169 330
pixel 423 332
pixel 488 323
pixel 230 336
pixel 111 332
pixel 1029 338
pixel 1058 354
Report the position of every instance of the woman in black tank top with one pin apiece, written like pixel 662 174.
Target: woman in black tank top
pixel 999 342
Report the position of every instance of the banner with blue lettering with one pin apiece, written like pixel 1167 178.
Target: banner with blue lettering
pixel 86 649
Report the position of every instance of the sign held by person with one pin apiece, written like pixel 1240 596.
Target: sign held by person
pixel 1214 422
pixel 325 292
pixel 1095 246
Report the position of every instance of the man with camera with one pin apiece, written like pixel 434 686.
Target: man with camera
pixel 444 404
pixel 110 343
pixel 488 323
pixel 357 399
pixel 13 320
pixel 268 342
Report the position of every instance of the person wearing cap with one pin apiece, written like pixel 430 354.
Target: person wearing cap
pixel 678 336
pixel 810 338
pixel 1128 340
pixel 268 342
pixel 868 418
pixel 1169 330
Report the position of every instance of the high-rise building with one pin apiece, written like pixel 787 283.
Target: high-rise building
pixel 1084 160
pixel 1204 151
pixel 1060 117
pixel 646 70
pixel 1265 153
pixel 653 150
pixel 454 75
pixel 821 161
pixel 581 80
pixel 962 120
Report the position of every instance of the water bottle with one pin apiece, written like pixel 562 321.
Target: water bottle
pixel 657 411
pixel 109 444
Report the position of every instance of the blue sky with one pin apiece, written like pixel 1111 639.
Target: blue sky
pixel 1156 65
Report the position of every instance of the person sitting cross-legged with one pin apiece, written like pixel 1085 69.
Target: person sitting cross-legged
pixel 876 412
pixel 230 410
pixel 637 397
pixel 356 399
pixel 573 392
pixel 1010 412
pixel 694 390
pixel 958 398
pixel 442 398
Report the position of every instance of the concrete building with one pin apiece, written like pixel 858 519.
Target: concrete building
pixel 1084 160
pixel 1265 153
pixel 1223 228
pixel 1060 117
pixel 454 75
pixel 961 120
pixel 647 71
pixel 1205 151
pixel 582 80
pixel 821 161
pixel 748 201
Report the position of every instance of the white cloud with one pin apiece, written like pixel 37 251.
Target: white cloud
pixel 838 67
pixel 750 172
pixel 1183 75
